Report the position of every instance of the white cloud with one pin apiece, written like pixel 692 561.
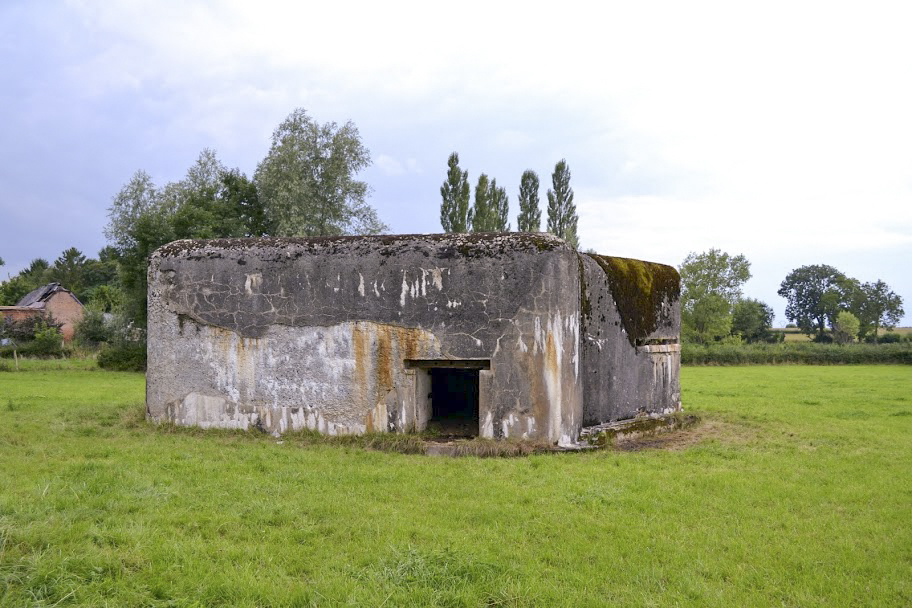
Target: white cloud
pixel 774 128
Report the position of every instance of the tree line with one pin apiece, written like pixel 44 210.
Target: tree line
pixel 713 308
pixel 489 212
pixel 305 186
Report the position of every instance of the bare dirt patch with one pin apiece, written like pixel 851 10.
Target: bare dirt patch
pixel 703 430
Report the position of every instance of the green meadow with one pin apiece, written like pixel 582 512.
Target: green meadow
pixel 795 489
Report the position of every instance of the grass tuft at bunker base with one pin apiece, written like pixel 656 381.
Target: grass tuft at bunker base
pixel 793 490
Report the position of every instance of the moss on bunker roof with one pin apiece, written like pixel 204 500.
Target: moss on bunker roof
pixel 640 290
pixel 484 244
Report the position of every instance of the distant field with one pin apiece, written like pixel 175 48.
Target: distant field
pixel 795 335
pixel 794 491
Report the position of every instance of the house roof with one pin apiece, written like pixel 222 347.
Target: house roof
pixel 37 298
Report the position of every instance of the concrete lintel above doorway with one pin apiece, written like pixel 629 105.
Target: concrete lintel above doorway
pixel 450 363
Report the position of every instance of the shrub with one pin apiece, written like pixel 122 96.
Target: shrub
pixel 24 330
pixel 46 342
pixel 93 329
pixel 846 327
pixel 887 338
pixel 123 356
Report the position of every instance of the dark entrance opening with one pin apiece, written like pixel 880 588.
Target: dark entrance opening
pixel 454 402
pixel 448 395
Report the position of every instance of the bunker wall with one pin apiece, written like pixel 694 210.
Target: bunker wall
pixel 630 338
pixel 291 333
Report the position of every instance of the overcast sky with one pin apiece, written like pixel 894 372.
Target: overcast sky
pixel 780 130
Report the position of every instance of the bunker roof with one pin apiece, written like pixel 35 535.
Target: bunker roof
pixel 485 244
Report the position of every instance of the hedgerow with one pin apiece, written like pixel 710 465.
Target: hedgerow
pixel 808 353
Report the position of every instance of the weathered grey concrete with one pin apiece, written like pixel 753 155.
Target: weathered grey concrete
pixel 318 333
pixel 293 333
pixel 631 358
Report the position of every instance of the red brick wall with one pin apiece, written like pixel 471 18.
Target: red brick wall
pixel 66 309
pixel 19 313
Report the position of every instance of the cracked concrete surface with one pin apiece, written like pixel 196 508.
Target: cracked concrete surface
pixel 285 334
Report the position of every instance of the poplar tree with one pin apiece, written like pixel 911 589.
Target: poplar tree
pixel 529 219
pixel 480 216
pixel 454 208
pixel 562 218
pixel 500 208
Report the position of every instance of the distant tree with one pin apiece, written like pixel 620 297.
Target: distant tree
pixel 845 327
pixel 70 270
pixel 480 215
pixel 139 222
pixel 105 298
pixel 713 272
pixel 100 272
pixel 37 272
pixel 307 180
pixel 192 205
pixel 529 219
pixel 562 218
pixel 707 280
pixel 454 207
pixel 814 295
pixel 12 290
pixel 136 198
pixel 237 197
pixel 708 320
pixel 209 202
pixel 752 319
pixel 500 208
pixel 150 231
pixel 876 306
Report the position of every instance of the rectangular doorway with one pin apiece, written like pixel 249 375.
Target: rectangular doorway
pixel 450 396
pixel 454 402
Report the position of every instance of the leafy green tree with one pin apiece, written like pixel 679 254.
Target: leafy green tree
pixel 139 222
pixel 37 273
pixel 845 327
pixel 136 198
pixel 562 217
pixel 33 277
pixel 529 219
pixel 12 290
pixel 713 272
pixel 100 272
pixel 481 216
pixel 307 180
pixel 706 279
pixel 454 208
pixel 814 295
pixel 708 320
pixel 238 200
pixel 500 208
pixel 209 202
pixel 752 320
pixel 151 230
pixel 876 306
pixel 70 271
pixel 106 298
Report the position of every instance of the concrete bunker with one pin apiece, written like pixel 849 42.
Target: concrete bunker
pixel 495 335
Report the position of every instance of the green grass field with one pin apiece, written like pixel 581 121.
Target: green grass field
pixel 795 490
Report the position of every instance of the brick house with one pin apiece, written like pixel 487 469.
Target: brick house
pixel 53 300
